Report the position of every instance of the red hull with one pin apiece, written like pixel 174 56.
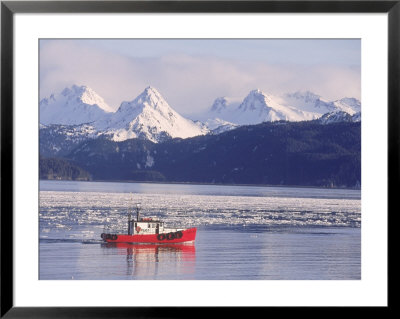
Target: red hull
pixel 185 236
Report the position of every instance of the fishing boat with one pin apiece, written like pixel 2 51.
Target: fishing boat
pixel 150 230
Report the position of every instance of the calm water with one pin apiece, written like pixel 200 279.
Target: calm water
pixel 244 232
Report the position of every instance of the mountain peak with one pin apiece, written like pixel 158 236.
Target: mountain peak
pixel 255 92
pixel 256 99
pixel 150 116
pixel 86 95
pixel 351 101
pixel 151 90
pixel 219 104
pixel 75 90
pixel 349 105
pixel 150 97
pixel 74 105
pixel 258 94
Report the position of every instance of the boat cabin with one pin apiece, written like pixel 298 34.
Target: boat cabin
pixel 145 226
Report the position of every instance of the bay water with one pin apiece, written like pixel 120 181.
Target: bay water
pixel 243 232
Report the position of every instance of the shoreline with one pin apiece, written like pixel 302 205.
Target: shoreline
pixel 203 184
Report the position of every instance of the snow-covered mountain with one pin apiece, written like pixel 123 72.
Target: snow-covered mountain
pixel 339 116
pixel 258 107
pixel 217 126
pixel 73 106
pixel 59 139
pixel 149 116
pixel 310 102
pixel 348 105
pixel 222 105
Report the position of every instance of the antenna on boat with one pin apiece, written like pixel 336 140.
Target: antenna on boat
pixel 130 221
pixel 137 211
pixel 130 210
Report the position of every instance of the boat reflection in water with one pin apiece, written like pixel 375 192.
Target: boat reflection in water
pixel 161 261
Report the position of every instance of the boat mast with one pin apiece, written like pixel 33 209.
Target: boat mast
pixel 137 212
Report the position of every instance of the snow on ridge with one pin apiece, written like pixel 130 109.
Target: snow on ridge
pixel 348 105
pixel 86 95
pixel 258 107
pixel 357 117
pixel 73 106
pixel 149 116
pixel 90 97
pixel 339 116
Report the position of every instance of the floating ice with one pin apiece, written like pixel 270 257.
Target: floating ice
pixel 89 212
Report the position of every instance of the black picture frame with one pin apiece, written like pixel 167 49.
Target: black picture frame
pixel 9 8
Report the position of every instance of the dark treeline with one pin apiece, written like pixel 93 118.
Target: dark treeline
pixel 279 153
pixel 58 168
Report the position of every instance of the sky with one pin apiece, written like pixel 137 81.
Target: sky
pixel 191 73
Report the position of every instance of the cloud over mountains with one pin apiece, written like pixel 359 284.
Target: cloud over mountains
pixel 182 75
